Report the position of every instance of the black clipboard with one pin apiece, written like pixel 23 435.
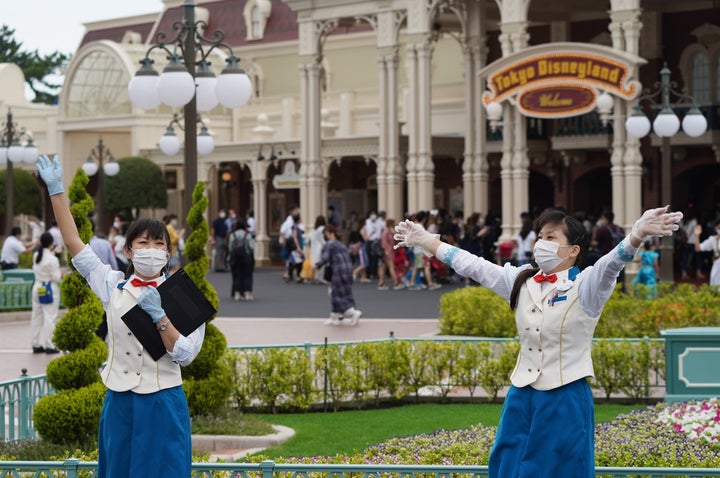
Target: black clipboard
pixel 185 305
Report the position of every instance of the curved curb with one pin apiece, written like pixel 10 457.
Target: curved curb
pixel 232 447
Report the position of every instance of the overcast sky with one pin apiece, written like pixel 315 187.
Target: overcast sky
pixel 57 25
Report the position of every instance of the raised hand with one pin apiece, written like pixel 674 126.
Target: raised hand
pixel 51 173
pixel 410 234
pixel 657 222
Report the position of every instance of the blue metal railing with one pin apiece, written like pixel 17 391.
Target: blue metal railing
pixel 15 295
pixel 17 400
pixel 73 468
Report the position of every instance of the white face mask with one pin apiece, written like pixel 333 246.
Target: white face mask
pixel 149 262
pixel 546 255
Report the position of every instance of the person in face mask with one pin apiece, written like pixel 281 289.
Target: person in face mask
pixel 145 413
pixel 546 426
pixel 712 243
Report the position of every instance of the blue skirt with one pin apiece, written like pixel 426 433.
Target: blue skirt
pixel 546 433
pixel 145 435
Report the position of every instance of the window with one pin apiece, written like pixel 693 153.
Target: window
pixel 700 83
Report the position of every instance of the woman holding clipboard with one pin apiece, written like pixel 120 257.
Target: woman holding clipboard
pixel 145 422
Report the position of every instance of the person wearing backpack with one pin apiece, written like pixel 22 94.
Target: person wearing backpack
pixel 242 261
pixel 607 236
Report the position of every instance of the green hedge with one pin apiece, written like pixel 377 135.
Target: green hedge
pixel 479 312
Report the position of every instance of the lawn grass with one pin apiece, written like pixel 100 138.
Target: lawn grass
pixel 320 434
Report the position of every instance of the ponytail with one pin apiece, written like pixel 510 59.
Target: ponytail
pixel 46 240
pixel 519 281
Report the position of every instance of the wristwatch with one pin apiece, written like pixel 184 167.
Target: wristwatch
pixel 162 327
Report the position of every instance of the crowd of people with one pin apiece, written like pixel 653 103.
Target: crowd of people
pixel 373 259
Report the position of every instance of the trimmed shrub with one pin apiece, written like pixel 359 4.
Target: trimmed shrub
pixel 477 312
pixel 207 380
pixel 70 416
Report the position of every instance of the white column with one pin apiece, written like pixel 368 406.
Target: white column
pixel 394 169
pixel 520 174
pixel 411 111
pixel 506 169
pixel 471 140
pixel 312 170
pixel 259 181
pixel 305 127
pixel 480 167
pixel 425 167
pixel 383 133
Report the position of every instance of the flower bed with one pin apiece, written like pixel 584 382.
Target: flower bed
pixel 636 439
pixel 699 421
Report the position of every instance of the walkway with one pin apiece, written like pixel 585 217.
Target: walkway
pixel 280 314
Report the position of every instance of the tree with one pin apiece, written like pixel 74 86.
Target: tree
pixel 27 193
pixel 139 184
pixel 37 68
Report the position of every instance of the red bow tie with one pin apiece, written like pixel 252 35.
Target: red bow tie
pixel 540 278
pixel 138 283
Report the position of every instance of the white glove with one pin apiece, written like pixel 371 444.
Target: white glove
pixel 410 234
pixel 657 222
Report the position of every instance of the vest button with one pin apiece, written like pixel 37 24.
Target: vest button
pixel 139 354
pixel 127 353
pixel 129 333
pixel 137 373
pixel 537 330
pixel 529 370
pixel 533 310
pixel 530 349
pixel 527 328
pixel 125 371
pixel 539 350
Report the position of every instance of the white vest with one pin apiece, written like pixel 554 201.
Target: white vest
pixel 129 366
pixel 555 335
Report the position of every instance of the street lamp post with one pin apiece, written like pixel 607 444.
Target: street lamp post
pixel 666 125
pixel 111 168
pixel 179 85
pixel 11 151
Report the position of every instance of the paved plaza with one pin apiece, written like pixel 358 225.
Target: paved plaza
pixel 280 314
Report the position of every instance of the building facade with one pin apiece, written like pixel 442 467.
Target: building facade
pixel 379 105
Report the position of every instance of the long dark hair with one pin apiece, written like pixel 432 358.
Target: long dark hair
pixel 154 228
pixel 45 240
pixel 573 230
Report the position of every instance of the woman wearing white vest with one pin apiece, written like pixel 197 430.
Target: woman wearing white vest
pixel 145 423
pixel 547 423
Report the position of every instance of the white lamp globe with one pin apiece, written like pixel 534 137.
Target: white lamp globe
pixel 16 153
pixel 143 92
pixel 90 167
pixel 666 123
pixel 637 125
pixel 31 153
pixel 176 86
pixel 605 103
pixel 234 87
pixel 494 110
pixel 169 143
pixel 206 83
pixel 694 123
pixel 111 168
pixel 205 142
